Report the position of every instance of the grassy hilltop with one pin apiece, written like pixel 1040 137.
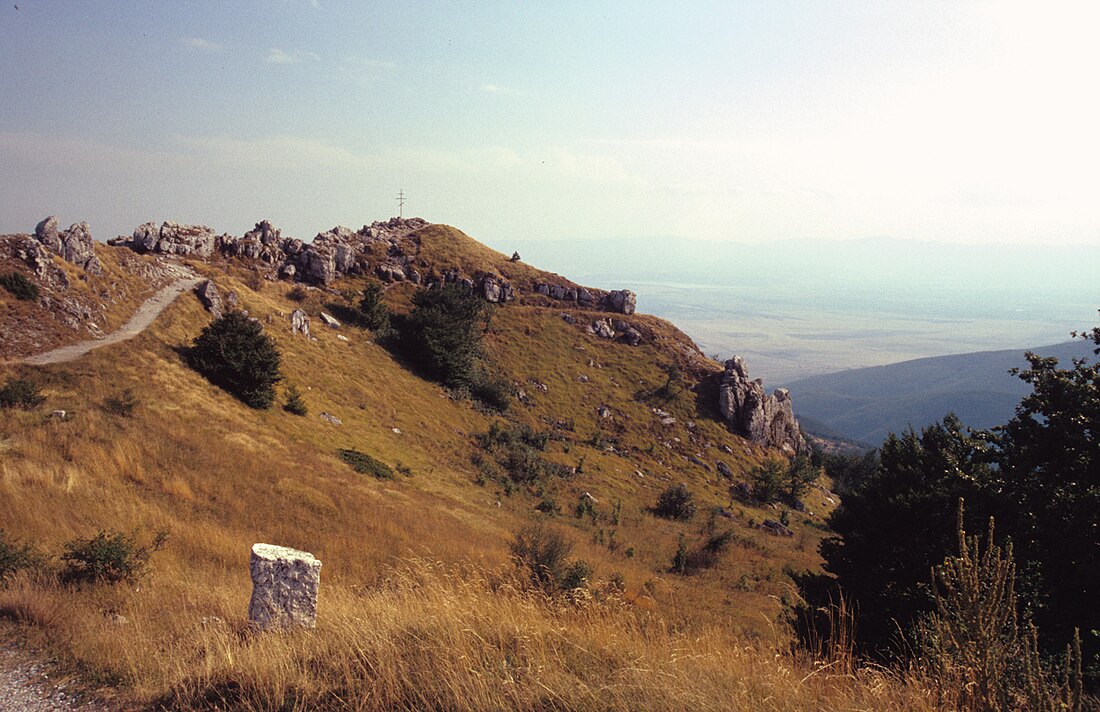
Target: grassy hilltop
pixel 420 605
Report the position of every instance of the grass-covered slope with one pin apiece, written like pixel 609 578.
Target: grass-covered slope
pixel 418 608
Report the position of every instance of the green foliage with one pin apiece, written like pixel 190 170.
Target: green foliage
pixel 680 558
pixel 109 556
pixel 515 450
pixel 676 502
pixel 897 524
pixel 769 481
pixel 235 354
pixel 20 393
pixel 801 473
pixel 372 312
pixel 848 472
pixel 972 646
pixel 122 405
pixel 544 554
pixel 493 391
pixel 443 333
pixel 365 464
pixel 586 507
pixel 294 403
pixel 19 286
pixel 15 557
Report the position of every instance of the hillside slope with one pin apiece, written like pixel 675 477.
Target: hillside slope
pixel 419 606
pixel 866 404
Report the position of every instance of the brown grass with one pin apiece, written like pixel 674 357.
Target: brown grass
pixel 397 627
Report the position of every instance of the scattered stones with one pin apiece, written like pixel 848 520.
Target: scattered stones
pixel 724 470
pixel 299 322
pixel 284 587
pixel 602 328
pixel 330 418
pixel 582 379
pixel 330 321
pixel 727 449
pixel 343 338
pixel 775 528
pixel 603 411
pixel 590 498
pixel 695 460
pixel 59 414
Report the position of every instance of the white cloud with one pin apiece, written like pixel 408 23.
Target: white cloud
pixel 277 56
pixel 200 43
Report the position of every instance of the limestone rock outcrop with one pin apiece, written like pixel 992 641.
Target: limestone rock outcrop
pixel 764 419
pixel 299 322
pixel 73 245
pixel 210 297
pixel 284 587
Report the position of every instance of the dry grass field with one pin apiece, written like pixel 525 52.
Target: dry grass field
pixel 420 607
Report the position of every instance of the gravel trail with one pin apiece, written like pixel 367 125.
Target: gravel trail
pixel 25 686
pixel 139 322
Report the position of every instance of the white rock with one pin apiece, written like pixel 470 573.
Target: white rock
pixel 284 587
pixel 330 321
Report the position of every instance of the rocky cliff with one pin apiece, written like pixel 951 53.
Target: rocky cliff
pixel 765 419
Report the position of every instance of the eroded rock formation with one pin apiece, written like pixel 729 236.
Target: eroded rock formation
pixel 764 419
pixel 284 587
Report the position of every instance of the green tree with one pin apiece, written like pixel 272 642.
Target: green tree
pixel 801 473
pixel 896 524
pixel 373 313
pixel 443 333
pixel 768 480
pixel 1048 482
pixel 234 353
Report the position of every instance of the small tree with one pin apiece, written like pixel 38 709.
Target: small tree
pixel 768 480
pixel 801 473
pixel 20 393
pixel 676 502
pixel 373 313
pixel 294 403
pixel 234 353
pixel 19 286
pixel 109 556
pixel 443 333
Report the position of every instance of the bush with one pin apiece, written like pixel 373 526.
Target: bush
pixel 108 556
pixel 768 481
pixel 515 449
pixel 19 286
pixel 297 294
pixel 20 393
pixel 704 556
pixel 122 405
pixel 443 333
pixel 15 556
pixel 676 502
pixel 373 313
pixel 544 553
pixel 294 403
pixel 234 353
pixel 363 463
pixel 493 391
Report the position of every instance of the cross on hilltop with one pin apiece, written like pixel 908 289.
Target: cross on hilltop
pixel 401 203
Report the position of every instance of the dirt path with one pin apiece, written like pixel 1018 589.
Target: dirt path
pixel 142 318
pixel 25 686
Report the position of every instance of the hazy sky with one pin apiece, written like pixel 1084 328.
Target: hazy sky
pixel 954 121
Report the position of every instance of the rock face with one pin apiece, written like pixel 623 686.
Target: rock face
pixel 765 419
pixel 623 301
pixel 284 587
pixel 210 297
pixel 73 245
pixel 299 322
pixel 170 239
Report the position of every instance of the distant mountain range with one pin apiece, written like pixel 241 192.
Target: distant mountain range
pixel 865 404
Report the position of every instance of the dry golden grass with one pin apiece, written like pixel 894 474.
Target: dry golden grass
pixel 416 633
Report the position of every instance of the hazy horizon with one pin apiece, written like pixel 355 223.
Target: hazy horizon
pixel 750 121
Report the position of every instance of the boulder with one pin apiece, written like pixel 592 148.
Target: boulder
pixel 284 587
pixel 46 233
pixel 724 470
pixel 603 329
pixel 210 297
pixel 299 323
pixel 622 301
pixel 775 528
pixel 767 420
pixel 330 321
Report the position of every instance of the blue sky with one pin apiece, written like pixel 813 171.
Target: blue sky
pixel 747 121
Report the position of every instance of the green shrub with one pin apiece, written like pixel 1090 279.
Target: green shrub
pixel 367 465
pixel 20 393
pixel 585 507
pixel 15 556
pixel 122 405
pixel 544 554
pixel 676 502
pixel 768 481
pixel 443 333
pixel 515 449
pixel 493 391
pixel 294 403
pixel 109 556
pixel 234 353
pixel 19 286
pixel 373 313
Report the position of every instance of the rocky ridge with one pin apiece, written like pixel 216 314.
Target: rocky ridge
pixel 762 418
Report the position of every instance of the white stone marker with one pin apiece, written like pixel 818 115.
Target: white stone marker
pixel 284 587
